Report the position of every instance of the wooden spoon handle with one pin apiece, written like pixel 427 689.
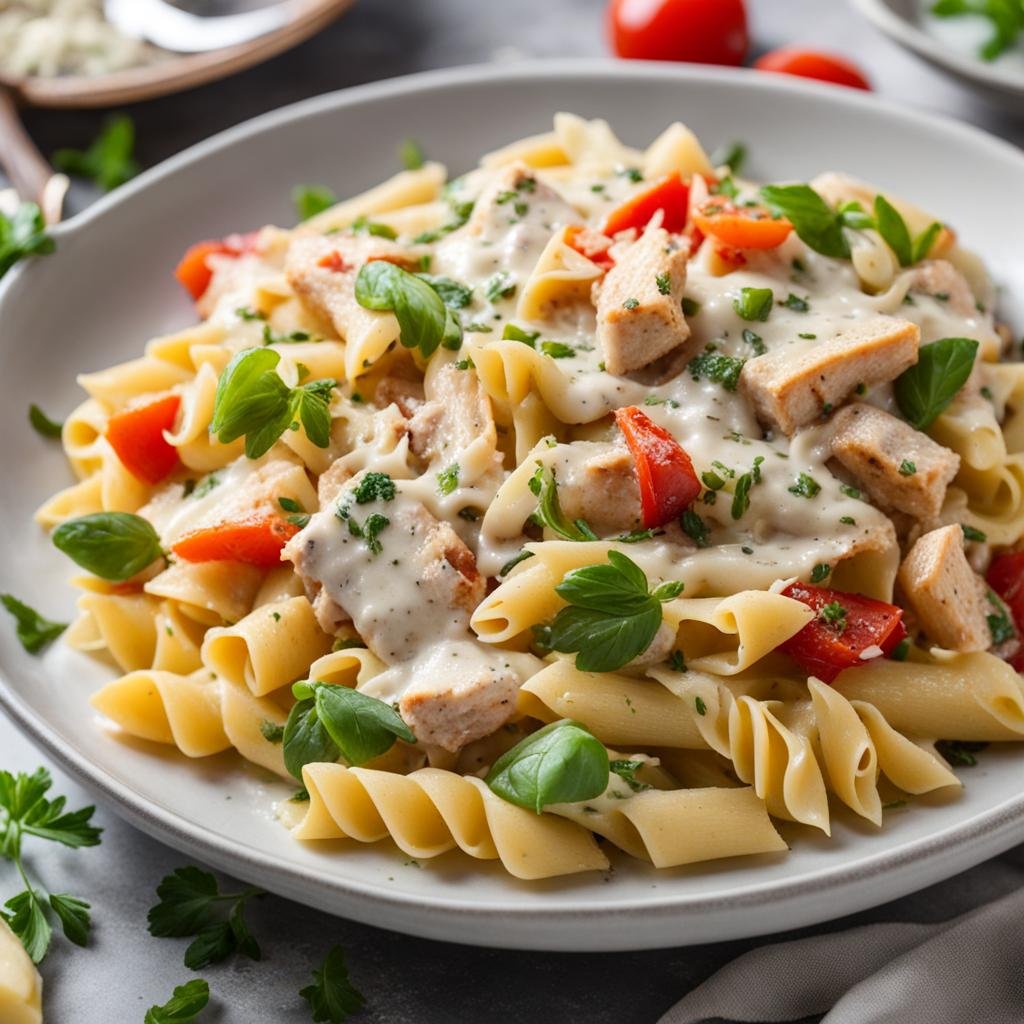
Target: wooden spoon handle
pixel 28 170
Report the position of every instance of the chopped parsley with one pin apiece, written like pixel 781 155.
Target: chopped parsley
pixel 702 708
pixel 548 513
pixel 631 303
pixel 907 468
pixel 971 533
pixel 960 752
pixel 754 341
pixel 713 366
pixel 448 479
pixel 795 302
pixel 691 307
pixel 1000 621
pixel 850 492
pixel 557 349
pixel 499 286
pixel 695 528
pixel 805 487
pixel 514 333
pixel 833 614
pixel 677 660
pixel 820 572
pixel 626 770
pixel 664 283
pixel 42 424
pixel 754 303
pixel 741 493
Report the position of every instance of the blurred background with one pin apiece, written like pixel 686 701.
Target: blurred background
pixel 376 39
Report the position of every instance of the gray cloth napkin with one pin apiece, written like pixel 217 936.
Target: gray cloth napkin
pixel 967 969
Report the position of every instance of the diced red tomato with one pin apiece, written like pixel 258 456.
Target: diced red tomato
pixel 823 67
pixel 256 541
pixel 137 436
pixel 741 227
pixel 700 31
pixel 194 273
pixel 671 195
pixel 1006 577
pixel 823 648
pixel 590 243
pixel 668 483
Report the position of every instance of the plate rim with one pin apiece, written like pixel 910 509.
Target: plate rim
pixel 914 38
pixel 915 864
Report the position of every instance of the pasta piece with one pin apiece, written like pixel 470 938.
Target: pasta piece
pixel 249 723
pixel 562 276
pixel 81 499
pixel 677 150
pixel 21 987
pixel 269 648
pixel 964 697
pixel 209 592
pixel 114 387
pixel 123 625
pixel 163 707
pixel 178 640
pixel 433 811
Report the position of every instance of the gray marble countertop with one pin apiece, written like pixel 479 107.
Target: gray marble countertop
pixel 407 980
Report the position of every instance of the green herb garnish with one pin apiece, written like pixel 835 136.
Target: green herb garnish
pixel 925 389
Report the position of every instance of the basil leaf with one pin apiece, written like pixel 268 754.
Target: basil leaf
pixel 754 303
pixel 32 629
pixel 42 424
pixel 364 226
pixel 618 585
pixel 314 410
pixel 422 315
pixel 924 241
pixel 549 510
pixel 306 741
pixel 562 763
pixel 454 294
pixel 926 388
pixel 249 393
pixel 112 545
pixel 362 727
pixel 310 200
pixel 605 641
pixel 814 221
pixel 893 229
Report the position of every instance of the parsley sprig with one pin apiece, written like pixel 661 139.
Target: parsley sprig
pixel 332 996
pixel 191 904
pixel 1005 16
pixel 23 234
pixel 253 401
pixel 26 811
pixel 185 1004
pixel 33 631
pixel 611 616
pixel 109 161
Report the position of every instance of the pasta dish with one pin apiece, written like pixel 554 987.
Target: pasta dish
pixel 597 499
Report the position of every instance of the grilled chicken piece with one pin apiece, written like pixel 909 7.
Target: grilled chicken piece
pixel 946 594
pixel 940 279
pixel 322 270
pixel 601 489
pixel 898 466
pixel 793 386
pixel 639 303
pixel 495 210
pixel 463 693
pixel 390 586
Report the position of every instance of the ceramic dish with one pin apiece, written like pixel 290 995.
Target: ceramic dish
pixel 109 287
pixel 950 45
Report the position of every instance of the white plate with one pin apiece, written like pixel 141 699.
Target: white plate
pixel 950 44
pixel 109 288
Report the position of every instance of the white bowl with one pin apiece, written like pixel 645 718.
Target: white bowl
pixel 951 47
pixel 108 288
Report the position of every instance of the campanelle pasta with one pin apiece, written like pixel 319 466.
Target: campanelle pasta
pixel 597 492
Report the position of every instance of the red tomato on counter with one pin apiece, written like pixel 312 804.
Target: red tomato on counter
pixel 698 31
pixel 823 67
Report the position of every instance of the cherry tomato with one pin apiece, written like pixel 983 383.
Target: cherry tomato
pixel 698 31
pixel 824 67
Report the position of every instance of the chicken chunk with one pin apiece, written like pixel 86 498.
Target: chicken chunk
pixel 516 195
pixel 947 596
pixel 459 693
pixel 602 489
pixel 455 425
pixel 388 565
pixel 639 303
pixel 793 386
pixel 941 280
pixel 900 467
pixel 322 270
pixel 399 391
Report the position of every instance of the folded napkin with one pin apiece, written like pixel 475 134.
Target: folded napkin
pixel 966 970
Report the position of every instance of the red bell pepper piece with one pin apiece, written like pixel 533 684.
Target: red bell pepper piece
pixel 664 471
pixel 741 227
pixel 823 648
pixel 1006 577
pixel 255 541
pixel 137 436
pixel 194 273
pixel 671 195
